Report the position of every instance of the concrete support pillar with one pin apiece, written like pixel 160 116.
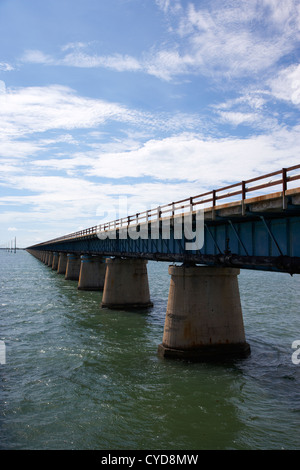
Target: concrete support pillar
pixel 55 261
pixel 204 316
pixel 92 273
pixel 126 284
pixel 50 258
pixel 62 263
pixel 46 257
pixel 73 267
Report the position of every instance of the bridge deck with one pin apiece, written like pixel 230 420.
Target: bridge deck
pixel 261 232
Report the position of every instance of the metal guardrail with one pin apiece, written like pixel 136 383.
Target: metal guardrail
pixel 211 198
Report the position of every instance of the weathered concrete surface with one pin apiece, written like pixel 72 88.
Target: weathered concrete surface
pixel 204 316
pixel 62 263
pixel 92 273
pixel 55 261
pixel 50 259
pixel 73 267
pixel 126 284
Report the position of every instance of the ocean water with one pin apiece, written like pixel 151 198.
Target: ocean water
pixel 80 377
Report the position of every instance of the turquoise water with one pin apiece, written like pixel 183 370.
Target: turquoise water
pixel 78 377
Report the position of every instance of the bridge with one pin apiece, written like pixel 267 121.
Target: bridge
pixel 213 235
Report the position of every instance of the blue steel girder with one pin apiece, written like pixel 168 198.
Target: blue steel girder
pixel 254 240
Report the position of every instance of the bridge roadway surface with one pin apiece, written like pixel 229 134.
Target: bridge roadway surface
pixel 261 232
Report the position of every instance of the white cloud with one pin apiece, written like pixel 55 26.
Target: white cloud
pixel 225 40
pixel 27 112
pixel 116 62
pixel 286 86
pixel 237 118
pixel 283 12
pixel 76 56
pixel 36 57
pixel 2 87
pixel 75 45
pixel 231 39
pixel 5 67
pixel 165 64
pixel 18 149
pixel 169 5
pixel 254 106
pixel 188 158
pixel 209 162
pixel 38 109
pixel 163 4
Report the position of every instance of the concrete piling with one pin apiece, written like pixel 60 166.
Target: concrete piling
pixel 92 273
pixel 50 259
pixel 204 316
pixel 55 261
pixel 62 263
pixel 73 267
pixel 126 284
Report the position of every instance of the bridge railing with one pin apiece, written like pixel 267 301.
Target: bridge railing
pixel 237 191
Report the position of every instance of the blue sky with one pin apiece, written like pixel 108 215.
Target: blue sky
pixel 139 101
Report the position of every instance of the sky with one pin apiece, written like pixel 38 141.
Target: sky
pixel 110 107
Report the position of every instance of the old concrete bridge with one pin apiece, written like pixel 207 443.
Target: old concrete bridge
pixel 211 240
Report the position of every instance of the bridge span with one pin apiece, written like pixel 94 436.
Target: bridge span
pixel 213 235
